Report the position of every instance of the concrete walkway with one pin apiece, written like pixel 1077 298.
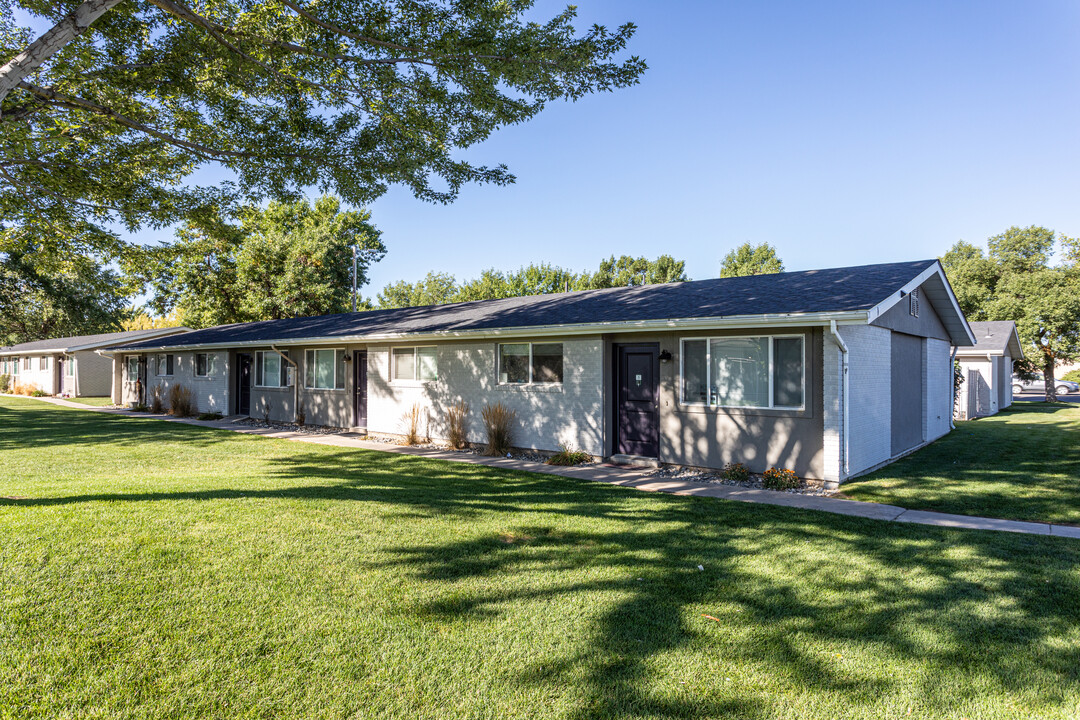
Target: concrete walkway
pixel 638 479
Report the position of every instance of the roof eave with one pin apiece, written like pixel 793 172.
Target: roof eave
pixel 943 298
pixel 785 319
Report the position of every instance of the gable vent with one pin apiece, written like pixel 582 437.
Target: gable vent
pixel 913 303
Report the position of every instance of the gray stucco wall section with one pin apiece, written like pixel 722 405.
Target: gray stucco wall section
pixel 547 415
pixel 908 396
pixel 899 318
pixel 757 437
pixel 93 374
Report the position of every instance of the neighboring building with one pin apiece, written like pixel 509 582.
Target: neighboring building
pixel 70 366
pixel 987 368
pixel 829 373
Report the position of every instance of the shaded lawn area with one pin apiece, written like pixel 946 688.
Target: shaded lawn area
pixel 150 569
pixel 1021 464
pixel 92 401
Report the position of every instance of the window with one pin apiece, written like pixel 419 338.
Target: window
pixel 131 363
pixel 43 363
pixel 26 364
pixel 13 366
pixel 69 367
pixel 204 364
pixel 755 372
pixel 271 370
pixel 324 369
pixel 164 365
pixel 523 363
pixel 415 363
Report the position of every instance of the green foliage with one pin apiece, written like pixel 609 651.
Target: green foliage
pixel 342 95
pixel 5 383
pixel 38 392
pixel 736 472
pixel 957 380
pixel 1015 281
pixel 287 260
pixel 568 456
pixel 206 416
pixel 440 288
pixel 780 479
pixel 43 296
pixel 750 259
pixel 1072 375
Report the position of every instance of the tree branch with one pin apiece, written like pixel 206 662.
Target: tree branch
pixel 74 24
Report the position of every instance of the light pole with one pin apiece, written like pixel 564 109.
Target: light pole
pixel 354 278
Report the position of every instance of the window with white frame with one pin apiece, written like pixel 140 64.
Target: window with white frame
pixel 26 364
pixel 204 364
pixel 43 362
pixel 415 363
pixel 766 371
pixel 69 367
pixel 164 365
pixel 13 366
pixel 271 370
pixel 131 367
pixel 529 363
pixel 324 369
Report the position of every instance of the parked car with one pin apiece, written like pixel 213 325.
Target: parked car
pixel 1038 384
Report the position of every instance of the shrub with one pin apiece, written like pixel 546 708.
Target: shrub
pixel 736 472
pixel 300 416
pixel 567 455
pixel 499 422
pixel 455 425
pixel 413 418
pixel 1072 376
pixel 140 408
pixel 780 479
pixel 210 416
pixel 181 401
pixel 27 389
pixel 266 408
pixel 157 400
pixel 5 383
pixel 38 392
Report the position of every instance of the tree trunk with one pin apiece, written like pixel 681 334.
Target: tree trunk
pixel 1048 376
pixel 73 25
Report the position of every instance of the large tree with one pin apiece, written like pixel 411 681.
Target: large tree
pixel 750 259
pixel 285 260
pixel 44 296
pixel 1017 280
pixel 105 117
pixel 533 279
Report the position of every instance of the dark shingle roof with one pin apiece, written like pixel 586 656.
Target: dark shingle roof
pixel 994 337
pixel 810 291
pixel 81 341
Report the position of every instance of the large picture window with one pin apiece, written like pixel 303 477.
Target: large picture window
pixel 271 370
pixel 524 363
pixel 164 365
pixel 324 369
pixel 751 372
pixel 416 363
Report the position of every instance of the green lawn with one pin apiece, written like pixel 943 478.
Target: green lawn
pixel 1021 464
pixel 156 570
pixel 94 401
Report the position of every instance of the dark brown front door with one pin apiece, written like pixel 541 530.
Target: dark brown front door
pixel 243 384
pixel 360 389
pixel 637 401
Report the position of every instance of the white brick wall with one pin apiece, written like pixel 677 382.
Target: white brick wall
pixel 547 414
pixel 211 393
pixel 35 376
pixel 870 382
pixel 938 388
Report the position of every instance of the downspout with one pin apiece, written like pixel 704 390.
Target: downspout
pixel 296 380
pixel 844 397
pixel 952 387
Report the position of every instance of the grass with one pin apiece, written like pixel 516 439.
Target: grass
pixel 1021 464
pixel 94 401
pixel 158 570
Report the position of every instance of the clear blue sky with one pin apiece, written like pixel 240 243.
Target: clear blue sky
pixel 840 132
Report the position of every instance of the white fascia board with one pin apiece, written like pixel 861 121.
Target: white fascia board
pixel 934 270
pixel 858 317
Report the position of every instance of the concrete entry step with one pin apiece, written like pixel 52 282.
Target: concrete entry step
pixel 634 461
